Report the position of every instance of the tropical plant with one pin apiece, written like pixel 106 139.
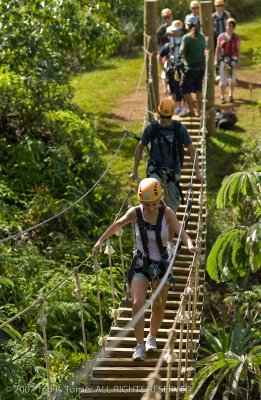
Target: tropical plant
pixel 237 251
pixel 233 369
pixel 247 303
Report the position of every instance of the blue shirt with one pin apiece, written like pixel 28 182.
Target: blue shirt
pixel 167 151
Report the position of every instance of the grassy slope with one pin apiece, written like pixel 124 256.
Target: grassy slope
pixel 98 92
pixel 250 35
pixel 224 148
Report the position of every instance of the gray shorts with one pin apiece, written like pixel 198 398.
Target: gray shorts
pixel 171 193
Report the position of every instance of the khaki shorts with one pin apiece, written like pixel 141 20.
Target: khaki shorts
pixel 223 72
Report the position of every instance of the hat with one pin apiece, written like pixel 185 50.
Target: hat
pixel 219 2
pixel 177 25
pixel 170 29
pixel 192 20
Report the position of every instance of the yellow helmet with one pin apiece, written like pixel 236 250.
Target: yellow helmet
pixel 166 107
pixel 149 190
pixel 194 4
pixel 219 3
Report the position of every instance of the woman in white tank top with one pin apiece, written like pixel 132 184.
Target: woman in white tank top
pixel 150 196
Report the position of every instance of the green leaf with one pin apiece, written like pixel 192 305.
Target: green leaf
pixel 6 282
pixel 215 383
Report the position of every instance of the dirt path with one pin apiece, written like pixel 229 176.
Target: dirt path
pixel 248 83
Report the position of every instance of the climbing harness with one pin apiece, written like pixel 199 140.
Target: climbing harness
pixel 152 270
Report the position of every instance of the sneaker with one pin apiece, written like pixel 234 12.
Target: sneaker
pixel 231 99
pixel 139 353
pixel 223 101
pixel 151 343
pixel 184 110
pixel 177 110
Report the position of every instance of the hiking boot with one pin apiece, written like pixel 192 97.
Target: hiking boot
pixel 231 99
pixel 139 353
pixel 151 343
pixel 223 101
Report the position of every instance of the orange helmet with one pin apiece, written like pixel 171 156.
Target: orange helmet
pixel 166 107
pixel 149 190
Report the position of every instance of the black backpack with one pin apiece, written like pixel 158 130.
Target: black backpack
pixel 178 143
pixel 225 119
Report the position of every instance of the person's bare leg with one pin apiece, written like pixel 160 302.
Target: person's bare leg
pixel 231 89
pixel 157 313
pixel 138 297
pixel 223 90
pixel 189 101
pixel 199 103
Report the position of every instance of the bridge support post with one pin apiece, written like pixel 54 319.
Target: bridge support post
pixel 150 44
pixel 207 29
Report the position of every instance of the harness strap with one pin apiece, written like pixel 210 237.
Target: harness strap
pixel 144 226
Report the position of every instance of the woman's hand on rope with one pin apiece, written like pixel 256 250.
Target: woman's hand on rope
pixel 98 246
pixel 192 249
pixel 134 176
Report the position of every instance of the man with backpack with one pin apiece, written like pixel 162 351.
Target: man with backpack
pixel 167 138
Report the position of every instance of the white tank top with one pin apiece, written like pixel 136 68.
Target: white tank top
pixel 152 243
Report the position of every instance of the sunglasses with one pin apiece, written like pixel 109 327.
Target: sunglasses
pixel 166 17
pixel 165 116
pixel 219 6
pixel 194 8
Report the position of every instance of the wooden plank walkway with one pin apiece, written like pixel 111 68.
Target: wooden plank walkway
pixel 115 375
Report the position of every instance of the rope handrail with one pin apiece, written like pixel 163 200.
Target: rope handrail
pixel 167 354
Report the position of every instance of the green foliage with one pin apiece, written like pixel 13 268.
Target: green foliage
pixel 235 252
pixel 233 368
pixel 247 303
pixel 238 186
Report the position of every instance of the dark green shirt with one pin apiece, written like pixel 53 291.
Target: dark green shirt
pixel 193 49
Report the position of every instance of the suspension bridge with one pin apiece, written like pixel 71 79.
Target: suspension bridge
pixel 167 372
